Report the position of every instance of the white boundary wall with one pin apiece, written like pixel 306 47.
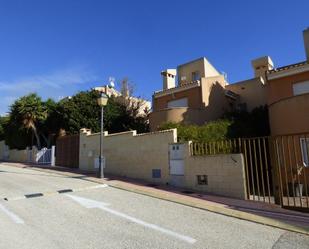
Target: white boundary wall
pixel 146 157
pixel 129 154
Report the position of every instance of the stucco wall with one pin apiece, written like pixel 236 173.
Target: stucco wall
pixel 282 88
pixel 201 65
pixel 135 156
pixel 225 174
pixel 177 115
pixel 12 155
pixel 252 92
pixel 193 95
pixel 129 154
pixel 290 115
pixel 18 156
pixel 2 150
pixel 206 102
pixel 214 100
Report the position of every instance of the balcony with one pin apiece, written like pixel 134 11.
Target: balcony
pixel 177 88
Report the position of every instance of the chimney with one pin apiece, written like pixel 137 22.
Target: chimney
pixel 169 78
pixel 306 42
pixel 261 65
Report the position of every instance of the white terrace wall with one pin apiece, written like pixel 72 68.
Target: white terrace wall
pixel 12 155
pixel 3 150
pixel 137 155
pixel 18 156
pixel 15 155
pixel 225 174
pixel 129 154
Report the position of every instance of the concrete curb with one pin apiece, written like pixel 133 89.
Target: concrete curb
pixel 223 211
pixel 200 204
pixel 203 205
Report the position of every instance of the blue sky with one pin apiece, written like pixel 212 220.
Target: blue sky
pixel 58 47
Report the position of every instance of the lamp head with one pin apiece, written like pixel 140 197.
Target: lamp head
pixel 102 100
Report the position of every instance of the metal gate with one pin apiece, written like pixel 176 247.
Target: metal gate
pixel 258 167
pixel 46 156
pixel 277 170
pixel 291 162
pixel 67 151
pixel 276 167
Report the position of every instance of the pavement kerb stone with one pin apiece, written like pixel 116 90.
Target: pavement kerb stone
pixel 222 211
pixel 200 204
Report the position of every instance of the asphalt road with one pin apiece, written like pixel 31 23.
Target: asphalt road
pixel 104 217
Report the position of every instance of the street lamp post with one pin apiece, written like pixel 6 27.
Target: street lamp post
pixel 102 101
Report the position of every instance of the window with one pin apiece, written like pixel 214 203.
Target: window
pixel 301 87
pixel 304 145
pixel 178 103
pixel 196 76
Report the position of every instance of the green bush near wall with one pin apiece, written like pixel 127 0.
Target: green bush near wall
pixel 212 131
pixel 238 124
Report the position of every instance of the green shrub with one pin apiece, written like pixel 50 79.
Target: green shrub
pixel 238 124
pixel 212 131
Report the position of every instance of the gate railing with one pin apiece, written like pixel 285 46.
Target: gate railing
pixel 276 168
pixel 259 175
pixel 43 156
pixel 256 160
pixel 215 147
pixel 291 158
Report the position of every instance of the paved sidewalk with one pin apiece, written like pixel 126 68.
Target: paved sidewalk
pixel 259 212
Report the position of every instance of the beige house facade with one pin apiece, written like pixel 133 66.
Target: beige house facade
pixel 252 92
pixel 199 96
pixel 288 96
pixel 202 94
pixel 288 99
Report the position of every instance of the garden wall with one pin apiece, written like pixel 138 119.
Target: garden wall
pixel 129 154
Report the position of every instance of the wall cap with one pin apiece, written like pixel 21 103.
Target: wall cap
pixel 87 132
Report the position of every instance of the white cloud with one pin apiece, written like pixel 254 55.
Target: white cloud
pixel 51 85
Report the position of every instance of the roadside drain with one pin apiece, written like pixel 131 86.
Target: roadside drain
pixel 61 191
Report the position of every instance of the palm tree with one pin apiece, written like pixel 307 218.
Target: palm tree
pixel 28 111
